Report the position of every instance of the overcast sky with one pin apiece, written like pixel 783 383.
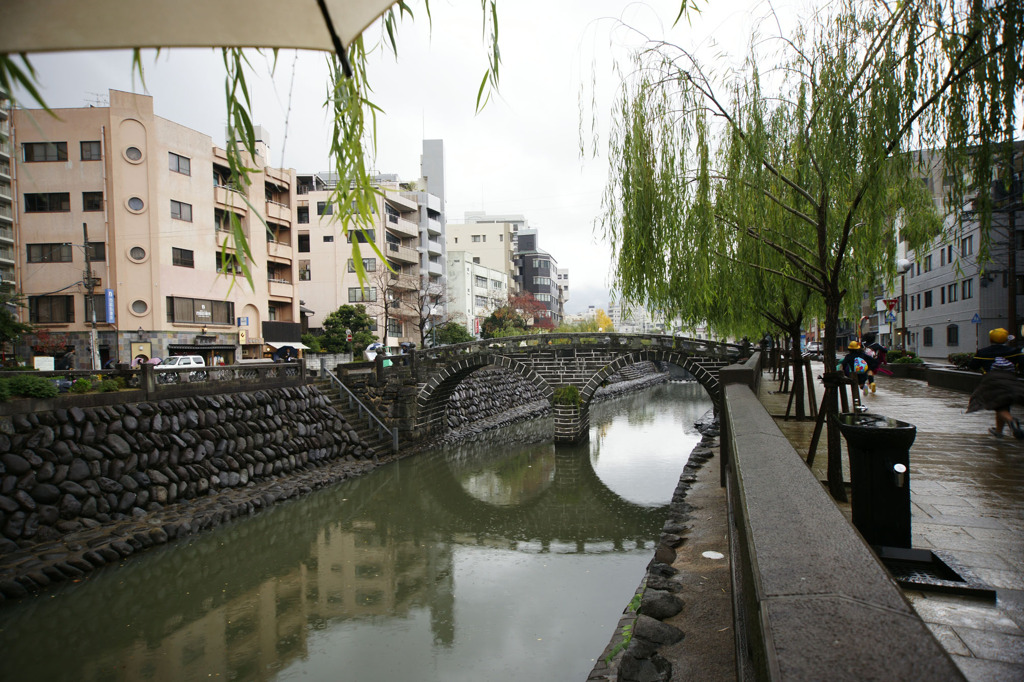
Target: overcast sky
pixel 520 155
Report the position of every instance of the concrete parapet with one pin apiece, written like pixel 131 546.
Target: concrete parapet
pixel 811 600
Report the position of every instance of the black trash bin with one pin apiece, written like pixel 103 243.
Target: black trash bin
pixel 879 449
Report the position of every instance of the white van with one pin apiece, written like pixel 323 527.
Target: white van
pixel 177 362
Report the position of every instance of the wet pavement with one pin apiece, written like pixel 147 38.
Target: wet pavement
pixel 967 499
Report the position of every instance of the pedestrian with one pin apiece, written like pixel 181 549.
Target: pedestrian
pixel 999 388
pixel 880 353
pixel 857 363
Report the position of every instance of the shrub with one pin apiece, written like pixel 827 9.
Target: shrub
pixel 5 391
pixel 110 385
pixel 908 359
pixel 568 395
pixel 895 354
pixel 960 360
pixel 81 386
pixel 32 387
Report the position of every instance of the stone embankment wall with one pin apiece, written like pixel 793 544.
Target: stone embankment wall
pixel 75 469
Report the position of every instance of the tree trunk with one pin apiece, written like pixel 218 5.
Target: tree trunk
pixel 798 370
pixel 835 452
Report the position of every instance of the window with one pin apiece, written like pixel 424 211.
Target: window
pixel 481 301
pixel 305 274
pixel 919 301
pixel 96 253
pixel 92 201
pixel 942 295
pixel 179 164
pixel 952 335
pixel 544 281
pixel 328 238
pixel 183 257
pixel 304 243
pixel 949 254
pixel 45 151
pixel 927 263
pixel 942 257
pixel 476 238
pixel 181 211
pixel 357 295
pixel 501 237
pixel 302 214
pixel 200 311
pixel 952 297
pixel 50 309
pixel 48 202
pixel 91 150
pixel 362 236
pixel 323 208
pixel 967 246
pixel 911 303
pixel 481 281
pixel 543 298
pixel 541 263
pixel 369 265
pixel 48 253
pixel 394 327
pixel 497 284
pixel 97 302
pixel 928 299
pixel 967 289
pixel 926 336
pixel 228 262
pixel 476 259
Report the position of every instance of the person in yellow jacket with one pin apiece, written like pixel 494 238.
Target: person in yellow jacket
pixel 999 388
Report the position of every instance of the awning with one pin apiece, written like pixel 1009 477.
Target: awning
pixel 193 347
pixel 276 345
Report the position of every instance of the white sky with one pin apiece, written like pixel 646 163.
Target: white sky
pixel 520 155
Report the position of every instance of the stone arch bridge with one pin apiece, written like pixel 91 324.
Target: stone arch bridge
pixel 423 382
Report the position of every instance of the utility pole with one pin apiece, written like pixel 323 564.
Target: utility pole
pixel 90 284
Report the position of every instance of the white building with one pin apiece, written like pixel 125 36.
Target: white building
pixel 474 290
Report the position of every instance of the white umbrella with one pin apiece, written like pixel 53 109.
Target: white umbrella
pixel 56 25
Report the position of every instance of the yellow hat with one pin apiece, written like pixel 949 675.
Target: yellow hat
pixel 999 335
pixel 854 345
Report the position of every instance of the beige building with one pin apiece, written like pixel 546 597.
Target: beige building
pixel 7 259
pixel 474 290
pixel 490 244
pixel 126 214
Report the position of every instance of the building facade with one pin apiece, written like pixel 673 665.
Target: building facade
pixel 538 274
pixel 8 261
pixel 124 239
pixel 475 291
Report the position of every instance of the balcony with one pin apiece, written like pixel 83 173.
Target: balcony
pixel 7 255
pixel 404 254
pixel 280 288
pixel 401 203
pixel 6 212
pixel 435 247
pixel 405 282
pixel 435 268
pixel 5 170
pixel 6 233
pixel 400 226
pixel 5 190
pixel 226 197
pixel 279 212
pixel 277 249
pixel 433 226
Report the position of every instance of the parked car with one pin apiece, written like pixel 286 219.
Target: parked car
pixel 815 349
pixel 178 362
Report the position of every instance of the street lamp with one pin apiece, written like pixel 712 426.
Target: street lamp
pixel 902 266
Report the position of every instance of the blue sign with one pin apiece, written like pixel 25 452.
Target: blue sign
pixel 243 322
pixel 891 317
pixel 108 299
pixel 976 319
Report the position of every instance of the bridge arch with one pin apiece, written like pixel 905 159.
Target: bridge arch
pixel 705 374
pixel 432 399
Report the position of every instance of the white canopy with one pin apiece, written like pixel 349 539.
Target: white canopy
pixel 56 25
pixel 276 345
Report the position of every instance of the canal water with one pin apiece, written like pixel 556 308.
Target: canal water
pixel 497 559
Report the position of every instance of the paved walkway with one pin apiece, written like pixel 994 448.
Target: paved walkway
pixel 967 498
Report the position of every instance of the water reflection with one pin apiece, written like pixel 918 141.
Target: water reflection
pixel 496 559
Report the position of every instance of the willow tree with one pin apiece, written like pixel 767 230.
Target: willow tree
pixel 820 148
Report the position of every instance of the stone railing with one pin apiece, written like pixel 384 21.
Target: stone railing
pixel 810 599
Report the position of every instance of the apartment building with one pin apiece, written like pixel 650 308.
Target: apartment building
pixel 491 240
pixel 7 255
pixel 537 273
pixel 122 231
pixel 327 273
pixel 474 290
pixel 948 299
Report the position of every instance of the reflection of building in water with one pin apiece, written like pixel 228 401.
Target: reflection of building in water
pixel 352 572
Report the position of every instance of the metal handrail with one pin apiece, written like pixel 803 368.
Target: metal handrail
pixel 354 402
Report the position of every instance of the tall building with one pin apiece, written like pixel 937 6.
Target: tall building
pixel 474 290
pixel 7 256
pixel 538 274
pixel 490 243
pixel 408 228
pixel 123 230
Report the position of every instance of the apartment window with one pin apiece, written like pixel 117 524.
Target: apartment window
pixel 497 284
pixel 369 265
pixel 952 297
pixel 324 208
pixel 476 260
pixel 98 303
pixel 476 238
pixel 543 298
pixel 304 243
pixel 227 263
pixel 919 269
pixel 200 310
pixel 543 281
pixel 394 327
pixel 357 295
pixel 45 151
pixel 949 254
pixel 183 257
pixel 942 257
pixel 48 202
pixel 91 150
pixel 926 336
pixel 481 301
pixel 302 214
pixel 928 263
pixel 967 289
pixel 362 236
pixel 919 301
pixel 179 164
pixel 501 237
pixel 181 211
pixel 952 335
pixel 328 238
pixel 305 274
pixel 48 253
pixel 911 303
pixel 928 299
pixel 967 246
pixel 92 201
pixel 942 295
pixel 481 281
pixel 96 253
pixel 51 309
pixel 541 263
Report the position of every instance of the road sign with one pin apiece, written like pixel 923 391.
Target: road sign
pixel 891 317
pixel 976 319
pixel 890 303
pixel 348 334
